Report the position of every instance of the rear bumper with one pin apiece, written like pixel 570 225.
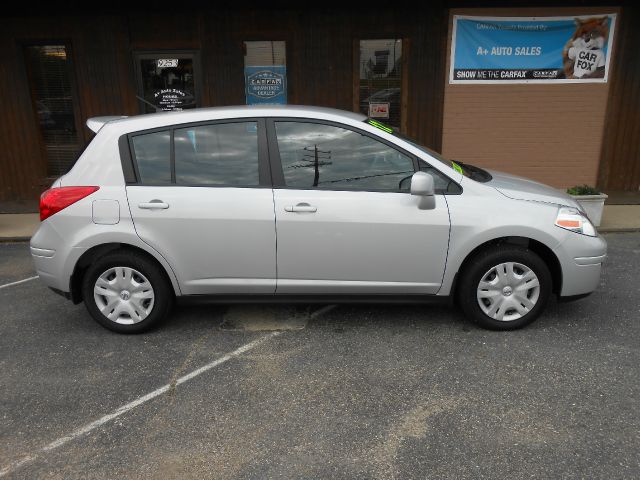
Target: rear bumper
pixel 53 258
pixel 50 269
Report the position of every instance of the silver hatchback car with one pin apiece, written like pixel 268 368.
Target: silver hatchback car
pixel 258 204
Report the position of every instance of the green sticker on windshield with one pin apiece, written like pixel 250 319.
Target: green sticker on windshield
pixel 457 168
pixel 380 126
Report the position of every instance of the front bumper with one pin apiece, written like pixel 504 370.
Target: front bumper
pixel 581 258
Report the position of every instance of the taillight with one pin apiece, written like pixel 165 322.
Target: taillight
pixel 56 199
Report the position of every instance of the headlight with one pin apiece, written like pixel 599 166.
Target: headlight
pixel 576 221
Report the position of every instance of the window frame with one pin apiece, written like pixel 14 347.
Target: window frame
pixel 130 164
pixel 277 171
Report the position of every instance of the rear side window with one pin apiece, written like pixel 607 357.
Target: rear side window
pixel 220 154
pixel 153 156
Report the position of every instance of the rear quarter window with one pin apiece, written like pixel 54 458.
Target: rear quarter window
pixel 152 154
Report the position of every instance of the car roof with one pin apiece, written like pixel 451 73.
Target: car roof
pixel 156 120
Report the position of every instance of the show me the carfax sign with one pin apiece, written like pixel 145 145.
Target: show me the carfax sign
pixel 531 49
pixel 266 85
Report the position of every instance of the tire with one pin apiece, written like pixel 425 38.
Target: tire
pixel 508 298
pixel 126 292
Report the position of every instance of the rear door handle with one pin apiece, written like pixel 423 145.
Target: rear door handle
pixel 153 205
pixel 301 207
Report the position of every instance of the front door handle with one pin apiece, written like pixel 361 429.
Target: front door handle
pixel 153 205
pixel 301 207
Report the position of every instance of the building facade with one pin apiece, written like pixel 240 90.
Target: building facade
pixel 61 68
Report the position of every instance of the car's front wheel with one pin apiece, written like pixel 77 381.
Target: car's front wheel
pixel 126 292
pixel 504 288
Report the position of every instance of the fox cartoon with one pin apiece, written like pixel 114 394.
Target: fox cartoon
pixel 583 56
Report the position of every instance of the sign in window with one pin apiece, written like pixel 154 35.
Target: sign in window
pixel 265 72
pixel 380 80
pixel 167 81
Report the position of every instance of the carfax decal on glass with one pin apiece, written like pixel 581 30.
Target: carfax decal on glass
pixel 266 85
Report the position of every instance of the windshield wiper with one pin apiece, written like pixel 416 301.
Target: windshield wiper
pixel 476 173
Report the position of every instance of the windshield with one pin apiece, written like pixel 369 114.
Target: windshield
pixel 470 171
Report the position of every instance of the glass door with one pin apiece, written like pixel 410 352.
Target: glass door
pixel 168 80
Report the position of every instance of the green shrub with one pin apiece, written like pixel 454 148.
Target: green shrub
pixel 583 190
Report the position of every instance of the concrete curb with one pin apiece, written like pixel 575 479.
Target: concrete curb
pixel 14 239
pixel 619 230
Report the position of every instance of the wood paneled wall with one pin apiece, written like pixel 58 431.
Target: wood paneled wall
pixel 103 81
pixel 319 66
pixel 620 161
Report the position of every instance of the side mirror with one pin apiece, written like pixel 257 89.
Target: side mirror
pixel 422 184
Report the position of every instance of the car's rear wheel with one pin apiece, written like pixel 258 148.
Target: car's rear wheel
pixel 126 292
pixel 504 288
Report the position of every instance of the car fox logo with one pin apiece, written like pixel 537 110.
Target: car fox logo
pixel 583 56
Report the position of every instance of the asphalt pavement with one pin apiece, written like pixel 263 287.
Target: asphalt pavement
pixel 363 391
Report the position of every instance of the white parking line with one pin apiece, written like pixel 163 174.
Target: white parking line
pixel 131 405
pixel 322 311
pixel 18 282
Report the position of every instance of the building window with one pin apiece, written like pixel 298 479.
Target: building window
pixel 168 81
pixel 51 92
pixel 265 72
pixel 380 80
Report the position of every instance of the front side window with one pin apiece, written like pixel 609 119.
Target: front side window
pixel 221 154
pixel 323 156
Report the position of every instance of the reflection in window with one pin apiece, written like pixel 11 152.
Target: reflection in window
pixel 222 154
pixel 381 79
pixel 49 74
pixel 152 154
pixel 167 82
pixel 323 156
